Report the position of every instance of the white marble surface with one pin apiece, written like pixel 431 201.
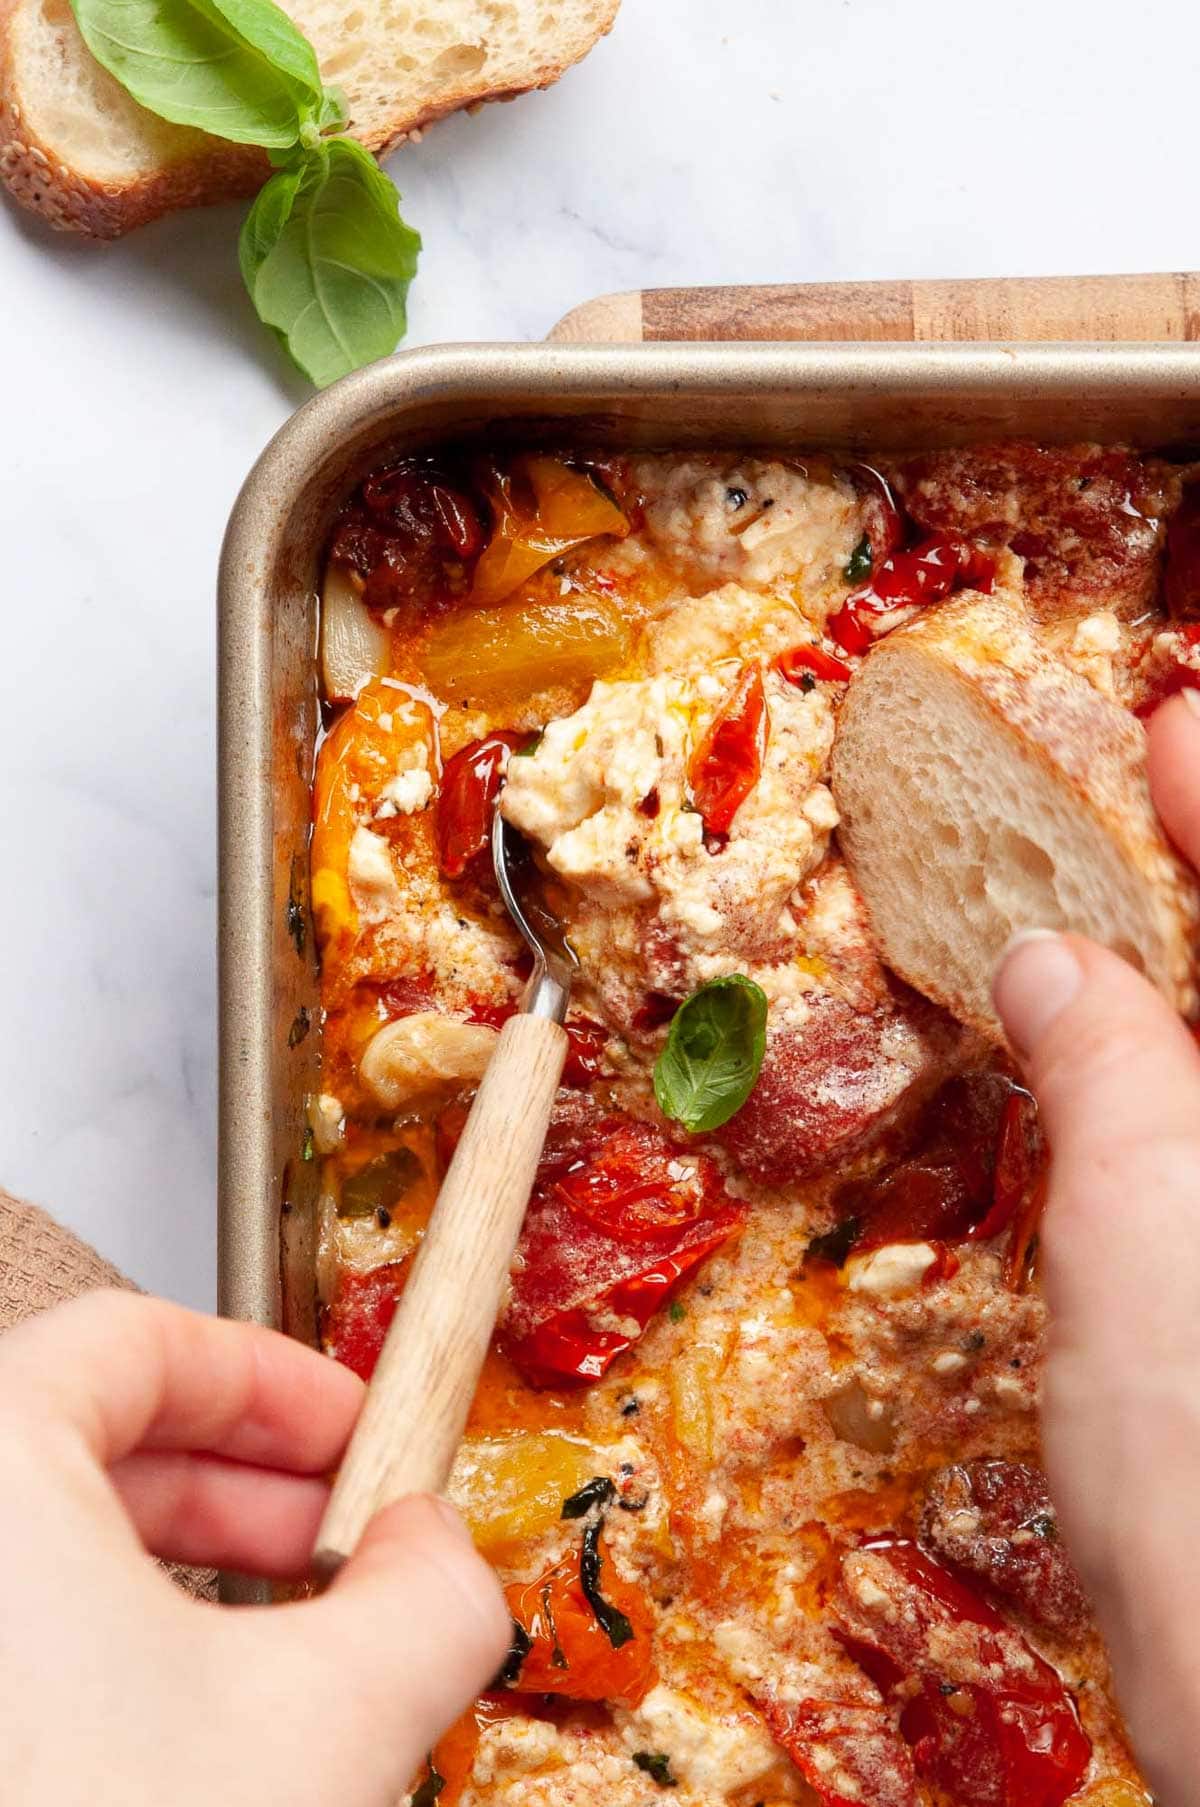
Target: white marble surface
pixel 703 142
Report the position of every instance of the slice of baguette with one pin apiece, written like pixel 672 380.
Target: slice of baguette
pixel 985 788
pixel 75 148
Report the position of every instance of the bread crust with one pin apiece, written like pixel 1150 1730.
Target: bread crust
pixel 1090 746
pixel 40 181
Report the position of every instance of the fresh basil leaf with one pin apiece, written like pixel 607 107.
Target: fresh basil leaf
pixel 713 1053
pixel 328 260
pixel 859 564
pixel 236 68
pixel 657 1765
pixel 597 1492
pixel 610 1618
pixel 430 1788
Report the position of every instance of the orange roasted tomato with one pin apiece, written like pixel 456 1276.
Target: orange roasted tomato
pixel 580 1631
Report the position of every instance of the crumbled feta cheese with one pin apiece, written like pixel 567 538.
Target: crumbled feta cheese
pixel 411 785
pixel 713 1755
pixel 948 1362
pixel 372 877
pixel 898 1267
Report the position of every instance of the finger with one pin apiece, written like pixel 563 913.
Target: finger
pixel 1173 763
pixel 416 1616
pixel 217 1514
pixel 1118 1078
pixel 127 1372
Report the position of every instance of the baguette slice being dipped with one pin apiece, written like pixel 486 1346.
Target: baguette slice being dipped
pixel 984 788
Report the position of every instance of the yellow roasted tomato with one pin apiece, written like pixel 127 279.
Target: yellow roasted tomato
pixel 379 763
pixel 541 508
pixel 512 1488
pixel 491 658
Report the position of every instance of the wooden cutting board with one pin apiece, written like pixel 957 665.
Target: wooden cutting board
pixel 1154 308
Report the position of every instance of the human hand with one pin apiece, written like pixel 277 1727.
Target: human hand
pixel 1117 1076
pixel 129 1425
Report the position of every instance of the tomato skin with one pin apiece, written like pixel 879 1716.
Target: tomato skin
pixel 566 1349
pixel 570 1654
pixel 617 1222
pixel 1013 1740
pixel 725 767
pixel 926 573
pixel 801 661
pixel 357 1319
pixel 470 785
pixel 835 1741
pixel 977 1169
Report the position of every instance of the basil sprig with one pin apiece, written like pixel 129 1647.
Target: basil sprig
pixel 326 257
pixel 327 260
pixel 713 1053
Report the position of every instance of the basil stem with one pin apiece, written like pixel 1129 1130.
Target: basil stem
pixel 611 1620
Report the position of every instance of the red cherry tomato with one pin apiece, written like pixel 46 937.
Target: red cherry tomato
pixel 567 1349
pixel 570 1653
pixel 800 662
pixel 989 1722
pixel 356 1320
pixel 470 785
pixel 847 1752
pixel 978 1159
pixel 617 1221
pixel 635 1187
pixel 726 765
pixel 926 573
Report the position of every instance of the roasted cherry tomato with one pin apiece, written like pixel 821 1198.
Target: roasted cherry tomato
pixel 409 533
pixel 569 1650
pixel 356 1320
pixel 406 995
pixel 995 1522
pixel 976 1165
pixel 726 765
pixel 801 662
pixel 586 1040
pixel 989 1722
pixel 617 1221
pixel 925 573
pixel 847 1752
pixel 470 785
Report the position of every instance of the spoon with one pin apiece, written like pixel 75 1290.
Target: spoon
pixel 412 1420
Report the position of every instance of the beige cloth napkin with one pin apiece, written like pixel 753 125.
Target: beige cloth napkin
pixel 41 1264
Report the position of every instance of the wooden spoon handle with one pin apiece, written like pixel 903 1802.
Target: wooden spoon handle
pixel 412 1420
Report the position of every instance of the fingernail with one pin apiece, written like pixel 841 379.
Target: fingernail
pixel 1192 699
pixel 1037 976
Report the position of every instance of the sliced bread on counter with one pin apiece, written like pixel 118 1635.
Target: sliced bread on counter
pixel 75 148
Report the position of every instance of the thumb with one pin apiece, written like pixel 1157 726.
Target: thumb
pixel 1117 1076
pixel 414 1627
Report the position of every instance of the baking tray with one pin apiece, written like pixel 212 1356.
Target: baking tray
pixel 844 397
